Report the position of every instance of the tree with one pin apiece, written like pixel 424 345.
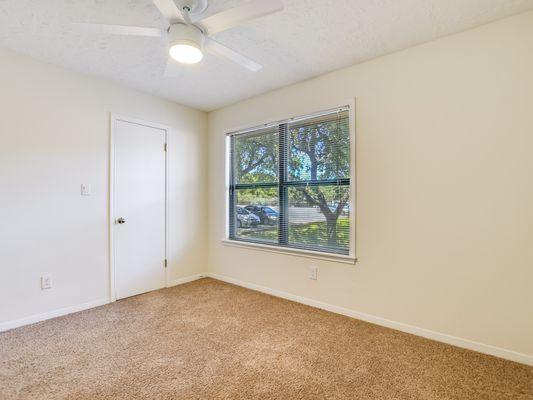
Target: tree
pixel 319 152
pixel 256 158
pixel 317 197
pixel 256 161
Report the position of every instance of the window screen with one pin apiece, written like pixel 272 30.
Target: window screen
pixel 290 183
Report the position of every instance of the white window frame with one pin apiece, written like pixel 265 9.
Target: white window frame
pixel 349 258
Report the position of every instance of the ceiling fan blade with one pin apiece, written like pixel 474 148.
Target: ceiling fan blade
pixel 220 50
pixel 238 15
pixel 172 69
pixel 169 10
pixel 103 29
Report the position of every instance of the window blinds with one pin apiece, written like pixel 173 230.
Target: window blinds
pixel 290 183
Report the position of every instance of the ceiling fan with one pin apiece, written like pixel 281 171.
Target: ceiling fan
pixel 189 35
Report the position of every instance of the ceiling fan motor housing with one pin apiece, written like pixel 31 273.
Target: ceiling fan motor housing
pixel 185 34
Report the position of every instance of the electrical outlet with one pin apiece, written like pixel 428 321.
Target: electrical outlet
pixel 85 189
pixel 46 282
pixel 313 273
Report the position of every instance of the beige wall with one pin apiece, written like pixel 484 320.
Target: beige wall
pixel 445 188
pixel 54 135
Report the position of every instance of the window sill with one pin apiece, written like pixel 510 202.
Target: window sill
pixel 346 259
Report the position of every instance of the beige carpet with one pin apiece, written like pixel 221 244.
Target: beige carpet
pixel 211 340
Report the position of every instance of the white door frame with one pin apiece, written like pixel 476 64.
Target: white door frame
pixel 111 222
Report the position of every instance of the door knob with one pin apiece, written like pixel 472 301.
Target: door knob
pixel 121 220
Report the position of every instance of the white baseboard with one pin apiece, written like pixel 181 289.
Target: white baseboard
pixel 426 333
pixel 181 281
pixel 4 326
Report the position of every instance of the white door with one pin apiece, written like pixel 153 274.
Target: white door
pixel 139 208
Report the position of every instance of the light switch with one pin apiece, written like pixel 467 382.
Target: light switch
pixel 85 189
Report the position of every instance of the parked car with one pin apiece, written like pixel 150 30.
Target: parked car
pixel 245 218
pixel 266 215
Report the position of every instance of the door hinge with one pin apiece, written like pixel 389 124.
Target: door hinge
pixel 165 147
pixel 166 263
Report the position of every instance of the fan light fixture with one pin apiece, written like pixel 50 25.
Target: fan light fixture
pixel 189 31
pixel 185 44
pixel 186 53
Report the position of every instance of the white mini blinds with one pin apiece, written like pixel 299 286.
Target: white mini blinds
pixel 290 183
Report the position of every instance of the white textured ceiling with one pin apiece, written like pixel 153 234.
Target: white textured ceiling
pixel 309 38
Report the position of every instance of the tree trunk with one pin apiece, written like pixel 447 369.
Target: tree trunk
pixel 331 229
pixel 331 216
pixel 331 221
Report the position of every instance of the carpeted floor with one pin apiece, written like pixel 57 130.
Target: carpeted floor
pixel 212 340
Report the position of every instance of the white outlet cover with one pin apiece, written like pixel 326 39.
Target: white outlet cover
pixel 313 273
pixel 46 282
pixel 85 189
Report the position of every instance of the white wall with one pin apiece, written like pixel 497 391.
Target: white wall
pixel 445 188
pixel 54 135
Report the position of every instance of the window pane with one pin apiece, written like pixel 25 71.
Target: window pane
pixel 319 148
pixel 319 218
pixel 256 214
pixel 316 180
pixel 256 157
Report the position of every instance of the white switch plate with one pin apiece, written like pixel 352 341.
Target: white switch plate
pixel 313 273
pixel 85 189
pixel 46 282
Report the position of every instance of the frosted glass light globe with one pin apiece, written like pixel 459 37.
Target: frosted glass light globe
pixel 186 53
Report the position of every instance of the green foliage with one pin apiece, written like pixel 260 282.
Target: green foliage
pixel 312 195
pixel 305 234
pixel 256 158
pixel 317 232
pixel 260 196
pixel 318 150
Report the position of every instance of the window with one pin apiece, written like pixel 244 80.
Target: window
pixel 290 183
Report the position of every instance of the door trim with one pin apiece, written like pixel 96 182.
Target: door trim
pixel 113 118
